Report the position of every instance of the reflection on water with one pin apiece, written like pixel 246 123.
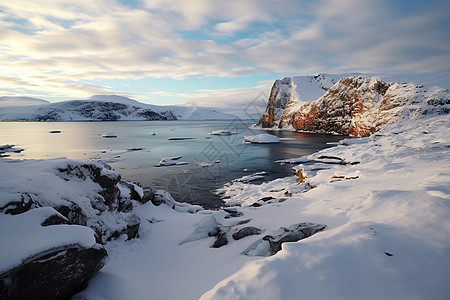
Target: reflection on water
pixel 192 182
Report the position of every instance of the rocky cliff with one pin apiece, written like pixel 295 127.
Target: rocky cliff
pixel 356 106
pixel 289 93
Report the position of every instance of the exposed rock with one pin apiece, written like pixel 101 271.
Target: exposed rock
pixel 73 213
pixel 271 244
pixel 148 195
pixel 163 197
pixel 55 219
pixel 292 234
pixel 353 106
pixel 55 274
pixel 279 96
pixel 96 207
pixel 289 93
pixel 221 240
pixel 17 207
pixel 232 212
pixel 246 231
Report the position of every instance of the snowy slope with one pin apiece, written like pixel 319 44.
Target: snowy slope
pixel 103 108
pixel 388 222
pixel 384 200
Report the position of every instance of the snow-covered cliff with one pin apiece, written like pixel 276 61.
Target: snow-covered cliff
pixel 289 93
pixel 355 105
pixel 100 108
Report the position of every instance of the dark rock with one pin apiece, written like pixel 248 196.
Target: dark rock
pixel 131 187
pixel 107 181
pixel 232 212
pixel 242 222
pixel 132 229
pixel 73 213
pixel 221 240
pixel 265 199
pixel 55 220
pixel 246 231
pixel 292 234
pixel 55 275
pixel 17 207
pixel 256 204
pixel 148 195
pixel 110 195
pixel 125 205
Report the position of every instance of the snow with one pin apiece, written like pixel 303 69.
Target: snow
pixel 109 135
pixel 385 200
pixel 387 229
pixel 387 217
pixel 100 107
pixel 23 237
pixel 170 161
pixel 263 138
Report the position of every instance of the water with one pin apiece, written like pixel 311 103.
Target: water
pixel 189 183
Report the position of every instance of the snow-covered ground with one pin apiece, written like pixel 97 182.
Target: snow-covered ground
pixel 385 201
pixel 386 204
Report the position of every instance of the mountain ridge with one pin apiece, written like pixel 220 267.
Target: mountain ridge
pixel 101 108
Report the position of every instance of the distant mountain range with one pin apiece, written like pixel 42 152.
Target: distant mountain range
pixel 100 108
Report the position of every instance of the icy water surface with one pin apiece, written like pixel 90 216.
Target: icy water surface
pixel 135 151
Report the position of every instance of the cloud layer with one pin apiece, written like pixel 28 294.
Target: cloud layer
pixel 60 47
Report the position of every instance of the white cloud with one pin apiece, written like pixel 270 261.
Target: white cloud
pixel 231 98
pixel 59 45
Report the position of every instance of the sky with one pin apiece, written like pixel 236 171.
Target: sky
pixel 208 52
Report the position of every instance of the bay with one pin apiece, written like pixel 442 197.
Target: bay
pixel 211 160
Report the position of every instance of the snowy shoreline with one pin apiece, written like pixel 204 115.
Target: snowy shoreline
pixel 384 200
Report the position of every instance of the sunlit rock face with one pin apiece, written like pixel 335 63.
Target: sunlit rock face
pixel 357 106
pixel 279 97
pixel 289 93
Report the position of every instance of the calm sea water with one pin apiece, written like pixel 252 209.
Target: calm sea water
pixel 192 183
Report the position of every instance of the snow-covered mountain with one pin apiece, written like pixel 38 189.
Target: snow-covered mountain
pixel 101 108
pixel 355 105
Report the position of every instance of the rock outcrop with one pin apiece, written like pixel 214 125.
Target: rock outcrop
pixel 359 105
pixel 57 261
pixel 271 244
pixel 289 93
pixel 55 274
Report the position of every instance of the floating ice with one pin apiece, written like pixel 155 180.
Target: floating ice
pixel 263 138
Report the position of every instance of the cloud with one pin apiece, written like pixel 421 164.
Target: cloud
pixel 231 98
pixel 58 46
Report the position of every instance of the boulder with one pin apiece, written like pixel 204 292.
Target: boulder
pixel 57 261
pixel 271 244
pixel 246 231
pixel 56 274
pixel 292 234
